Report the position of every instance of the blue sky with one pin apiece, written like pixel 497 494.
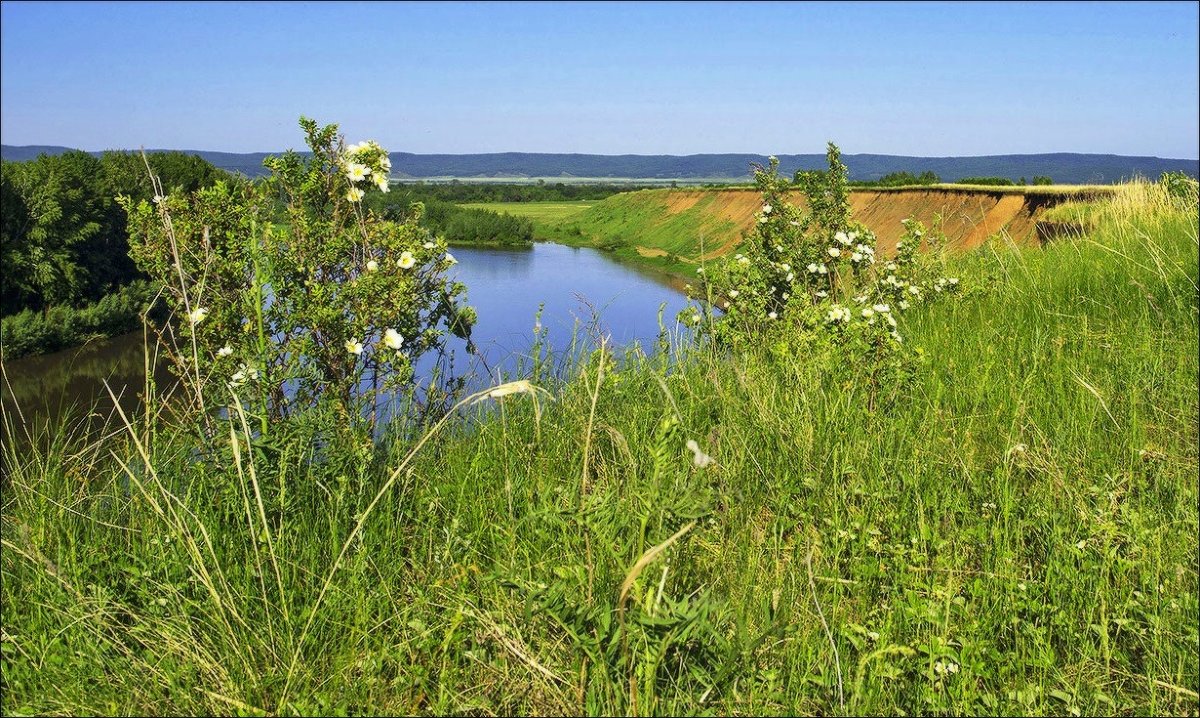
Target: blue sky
pixel 912 79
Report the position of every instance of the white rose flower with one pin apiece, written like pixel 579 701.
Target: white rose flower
pixel 356 171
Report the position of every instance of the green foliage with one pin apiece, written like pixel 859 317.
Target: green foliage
pixel 65 216
pixel 64 234
pixel 466 193
pixel 805 280
pixel 39 332
pixel 455 224
pixel 1181 186
pixel 1042 180
pixel 328 311
pixel 901 179
pixel 988 181
pixel 827 191
pixel 1014 532
pixel 478 226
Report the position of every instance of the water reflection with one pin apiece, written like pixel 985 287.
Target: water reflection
pixel 505 287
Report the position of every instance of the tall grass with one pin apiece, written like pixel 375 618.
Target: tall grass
pixel 1015 531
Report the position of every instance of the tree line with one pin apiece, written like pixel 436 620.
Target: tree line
pixel 63 237
pixel 465 193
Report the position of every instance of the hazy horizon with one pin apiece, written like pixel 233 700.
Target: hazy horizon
pixel 602 154
pixel 915 80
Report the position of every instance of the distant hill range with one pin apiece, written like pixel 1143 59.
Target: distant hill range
pixel 1062 167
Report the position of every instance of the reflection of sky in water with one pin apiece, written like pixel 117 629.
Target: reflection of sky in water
pixel 504 286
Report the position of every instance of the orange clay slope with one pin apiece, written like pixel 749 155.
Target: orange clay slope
pixel 700 224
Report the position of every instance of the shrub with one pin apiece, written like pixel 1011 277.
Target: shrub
pixel 480 226
pixel 1180 185
pixel 816 274
pixel 329 311
pixel 30 332
pixel 988 181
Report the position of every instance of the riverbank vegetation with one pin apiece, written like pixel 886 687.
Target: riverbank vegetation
pixel 61 326
pixel 897 179
pixel 993 511
pixel 540 213
pixel 477 226
pixel 486 214
pixel 64 250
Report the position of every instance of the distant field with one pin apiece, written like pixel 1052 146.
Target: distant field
pixel 513 179
pixel 537 211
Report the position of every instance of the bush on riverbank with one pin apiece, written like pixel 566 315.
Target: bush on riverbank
pixel 486 228
pixel 41 332
pixel 455 224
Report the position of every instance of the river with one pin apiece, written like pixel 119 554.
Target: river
pixel 505 286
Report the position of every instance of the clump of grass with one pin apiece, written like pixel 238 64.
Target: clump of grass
pixel 1123 205
pixel 1015 532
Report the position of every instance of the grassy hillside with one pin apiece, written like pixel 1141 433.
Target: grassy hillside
pixel 542 213
pixel 1013 532
pixel 675 229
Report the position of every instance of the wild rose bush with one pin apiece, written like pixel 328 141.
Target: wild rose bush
pixel 330 307
pixel 803 276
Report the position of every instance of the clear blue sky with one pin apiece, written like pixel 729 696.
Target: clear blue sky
pixel 912 79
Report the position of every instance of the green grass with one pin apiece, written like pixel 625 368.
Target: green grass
pixel 1013 533
pixel 672 240
pixel 622 223
pixel 539 212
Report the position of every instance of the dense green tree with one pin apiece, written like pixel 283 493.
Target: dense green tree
pixel 125 173
pixel 901 179
pixel 66 213
pixel 14 227
pixel 65 239
pixel 988 181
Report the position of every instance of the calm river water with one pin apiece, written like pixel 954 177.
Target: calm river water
pixel 504 286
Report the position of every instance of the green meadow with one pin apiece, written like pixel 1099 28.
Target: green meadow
pixel 539 212
pixel 1012 530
